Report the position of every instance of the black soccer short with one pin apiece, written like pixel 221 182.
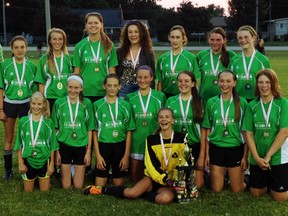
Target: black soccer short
pixel 226 157
pixel 16 110
pixel 71 154
pixel 33 173
pixel 112 153
pixel 275 178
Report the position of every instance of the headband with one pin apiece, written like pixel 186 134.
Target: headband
pixel 74 77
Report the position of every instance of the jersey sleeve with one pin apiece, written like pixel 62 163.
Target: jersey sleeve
pixel 40 73
pixel 55 114
pixel 113 60
pixel 76 57
pixel 90 116
pixel 248 119
pixel 206 120
pixel 283 114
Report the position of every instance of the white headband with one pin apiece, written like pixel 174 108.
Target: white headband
pixel 74 77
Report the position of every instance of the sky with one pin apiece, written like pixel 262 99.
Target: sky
pixel 175 3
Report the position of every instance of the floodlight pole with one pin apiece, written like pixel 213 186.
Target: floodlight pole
pixel 257 14
pixel 4 23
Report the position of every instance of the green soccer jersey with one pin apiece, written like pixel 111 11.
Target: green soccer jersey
pixel 93 73
pixel 55 87
pixel 108 132
pixel 144 124
pixel 9 82
pixel 84 122
pixel 244 87
pixel 180 125
pixel 213 120
pixel 186 61
pixel 209 81
pixel 46 142
pixel 254 121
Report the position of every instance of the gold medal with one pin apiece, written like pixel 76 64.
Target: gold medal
pixel 225 133
pixel 20 92
pixel 266 134
pixel 96 69
pixel 115 133
pixel 59 85
pixel 34 154
pixel 144 123
pixel 73 135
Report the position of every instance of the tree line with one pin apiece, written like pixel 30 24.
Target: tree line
pixel 29 15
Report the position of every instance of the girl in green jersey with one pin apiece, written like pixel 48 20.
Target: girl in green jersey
pixel 145 104
pixel 225 148
pixel 112 137
pixel 73 119
pixel 94 57
pixel 247 63
pixel 16 87
pixel 54 67
pixel 266 127
pixel 171 63
pixel 212 61
pixel 36 144
pixel 188 111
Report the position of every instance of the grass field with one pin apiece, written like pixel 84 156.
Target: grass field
pixel 13 201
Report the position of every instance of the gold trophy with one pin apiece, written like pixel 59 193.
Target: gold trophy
pixel 185 188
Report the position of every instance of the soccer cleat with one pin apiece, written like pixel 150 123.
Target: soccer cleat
pixel 8 175
pixel 94 190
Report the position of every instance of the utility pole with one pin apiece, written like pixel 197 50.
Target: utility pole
pixel 4 24
pixel 257 16
pixel 270 22
pixel 47 16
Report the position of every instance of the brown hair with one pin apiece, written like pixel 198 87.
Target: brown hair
pixel 196 103
pixel 272 76
pixel 236 97
pixel 182 30
pixel 50 54
pixel 18 37
pixel 248 28
pixel 144 38
pixel 225 58
pixel 105 40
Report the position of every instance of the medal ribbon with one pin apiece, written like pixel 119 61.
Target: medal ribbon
pixel 144 108
pixel 96 57
pixel 266 115
pixel 111 113
pixel 59 71
pixel 173 65
pixel 214 70
pixel 166 159
pixel 184 115
pixel 73 119
pixel 20 81
pixel 34 139
pixel 247 70
pixel 134 61
pixel 225 118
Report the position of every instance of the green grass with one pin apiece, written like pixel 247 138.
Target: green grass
pixel 14 201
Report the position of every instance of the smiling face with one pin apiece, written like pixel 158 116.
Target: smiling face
pixel 56 41
pixel 144 79
pixel 165 119
pixel 36 105
pixel 93 25
pixel 133 34
pixel 185 83
pixel 245 39
pixel 74 88
pixel 264 86
pixel 19 49
pixel 216 42
pixel 226 82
